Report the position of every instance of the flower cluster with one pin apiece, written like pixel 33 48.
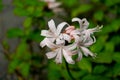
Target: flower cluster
pixel 69 41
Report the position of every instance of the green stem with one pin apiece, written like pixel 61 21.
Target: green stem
pixel 68 70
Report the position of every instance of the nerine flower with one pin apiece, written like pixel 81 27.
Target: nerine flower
pixel 85 38
pixel 54 33
pixel 59 50
pixel 69 41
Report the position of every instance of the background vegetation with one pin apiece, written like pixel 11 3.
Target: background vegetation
pixel 28 60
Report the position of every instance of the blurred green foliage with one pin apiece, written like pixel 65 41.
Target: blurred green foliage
pixel 28 64
pixel 1 5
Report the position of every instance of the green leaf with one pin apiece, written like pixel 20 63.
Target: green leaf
pixel 82 9
pixel 112 27
pixel 13 65
pixel 95 77
pixel 27 23
pixel 1 5
pixel 115 39
pixel 109 46
pixel 104 57
pixel 36 36
pixel 15 32
pixel 111 3
pixel 98 15
pixel 99 69
pixel 53 69
pixel 24 69
pixel 99 45
pixel 21 11
pixel 30 9
pixel 69 3
pixel 96 1
pixel 85 64
pixel 116 70
pixel 5 44
pixel 116 57
pixel 38 12
pixel 22 49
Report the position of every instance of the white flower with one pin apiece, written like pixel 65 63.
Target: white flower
pixel 60 50
pixel 85 38
pixel 83 23
pixel 54 33
pixel 56 38
pixel 86 34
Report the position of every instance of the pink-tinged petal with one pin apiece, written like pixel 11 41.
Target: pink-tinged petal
pixel 79 55
pixel 60 27
pixel 86 51
pixel 43 42
pixel 87 44
pixel 58 58
pixel 69 31
pixel 74 52
pixel 47 33
pixel 75 32
pixel 50 44
pixel 71 47
pixel 53 5
pixel 70 28
pixel 68 58
pixel 51 25
pixel 52 39
pixel 51 54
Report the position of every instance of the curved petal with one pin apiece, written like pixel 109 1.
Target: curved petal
pixel 61 42
pixel 51 25
pixel 96 29
pixel 86 51
pixel 58 58
pixel 50 44
pixel 75 32
pixel 84 23
pixel 68 58
pixel 78 39
pixel 70 28
pixel 60 27
pixel 87 44
pixel 76 19
pixel 43 42
pixel 47 33
pixel 66 37
pixel 51 54
pixel 71 47
pixel 79 55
